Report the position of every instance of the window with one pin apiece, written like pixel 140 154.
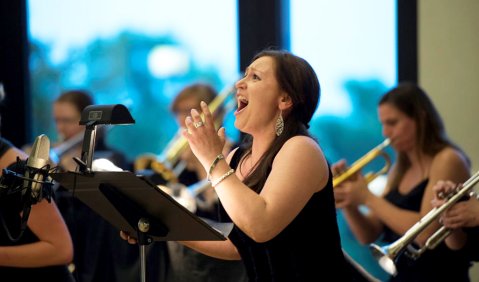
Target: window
pixel 352 47
pixel 136 53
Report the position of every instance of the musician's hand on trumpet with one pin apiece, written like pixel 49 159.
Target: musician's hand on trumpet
pixel 442 191
pixel 350 186
pixel 351 192
pixel 462 214
pixel 339 167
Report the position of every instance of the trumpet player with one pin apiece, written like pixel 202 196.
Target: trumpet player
pixel 424 155
pixel 462 218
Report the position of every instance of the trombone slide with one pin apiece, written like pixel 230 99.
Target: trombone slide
pixel 165 164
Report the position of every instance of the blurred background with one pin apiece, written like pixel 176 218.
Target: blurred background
pixel 141 53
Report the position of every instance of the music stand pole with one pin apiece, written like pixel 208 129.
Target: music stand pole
pixel 143 241
pixel 138 218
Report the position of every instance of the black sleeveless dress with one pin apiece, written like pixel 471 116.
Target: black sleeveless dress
pixel 439 264
pixel 308 249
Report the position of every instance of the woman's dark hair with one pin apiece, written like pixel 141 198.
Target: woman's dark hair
pixel 297 78
pixel 431 136
pixel 79 98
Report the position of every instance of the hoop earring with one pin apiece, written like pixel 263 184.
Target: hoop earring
pixel 279 124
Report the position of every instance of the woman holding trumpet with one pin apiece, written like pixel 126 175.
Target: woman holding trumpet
pixel 424 155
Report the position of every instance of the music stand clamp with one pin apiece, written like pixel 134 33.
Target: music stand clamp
pixel 92 116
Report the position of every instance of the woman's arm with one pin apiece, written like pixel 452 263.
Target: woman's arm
pixel 10 157
pixel 299 170
pixel 218 249
pixel 54 246
pixel 449 164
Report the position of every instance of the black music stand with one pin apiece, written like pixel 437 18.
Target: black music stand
pixel 133 204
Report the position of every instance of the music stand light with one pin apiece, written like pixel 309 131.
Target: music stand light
pixel 92 116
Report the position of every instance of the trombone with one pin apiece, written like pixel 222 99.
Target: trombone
pixel 167 164
pixel 377 151
pixel 387 255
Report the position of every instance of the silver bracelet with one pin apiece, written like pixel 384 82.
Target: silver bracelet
pixel 213 165
pixel 223 177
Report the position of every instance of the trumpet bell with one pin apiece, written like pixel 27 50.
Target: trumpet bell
pixel 384 259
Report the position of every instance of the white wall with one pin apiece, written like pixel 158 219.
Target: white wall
pixel 448 37
pixel 449 66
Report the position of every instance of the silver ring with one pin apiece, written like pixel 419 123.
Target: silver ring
pixel 198 124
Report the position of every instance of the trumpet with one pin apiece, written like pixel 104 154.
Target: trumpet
pixel 167 164
pixel 387 255
pixel 376 152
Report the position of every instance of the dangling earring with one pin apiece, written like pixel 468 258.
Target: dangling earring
pixel 279 124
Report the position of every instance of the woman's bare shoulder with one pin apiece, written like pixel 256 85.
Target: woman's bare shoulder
pixel 304 149
pixel 451 156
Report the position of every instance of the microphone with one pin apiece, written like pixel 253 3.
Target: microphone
pixel 37 167
pixel 23 184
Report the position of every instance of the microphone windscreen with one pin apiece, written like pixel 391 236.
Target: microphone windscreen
pixel 40 153
pixel 38 159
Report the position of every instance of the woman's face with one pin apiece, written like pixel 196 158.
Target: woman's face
pixel 398 127
pixel 67 120
pixel 258 95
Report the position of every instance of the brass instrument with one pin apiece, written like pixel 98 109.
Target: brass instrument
pixel 387 255
pixel 187 196
pixel 167 164
pixel 363 161
pixel 57 152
